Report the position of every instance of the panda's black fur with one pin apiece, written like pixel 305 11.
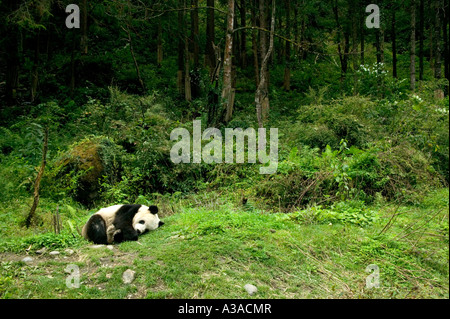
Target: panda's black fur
pixel 96 228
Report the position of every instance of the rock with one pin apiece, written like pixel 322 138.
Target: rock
pixel 128 276
pixel 27 259
pixel 41 251
pixel 69 251
pixel 96 246
pixel 54 253
pixel 250 289
pixel 110 247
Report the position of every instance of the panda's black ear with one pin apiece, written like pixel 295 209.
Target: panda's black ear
pixel 153 209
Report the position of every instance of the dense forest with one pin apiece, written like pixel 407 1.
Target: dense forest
pixel 90 92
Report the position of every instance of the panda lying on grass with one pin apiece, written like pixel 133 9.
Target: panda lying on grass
pixel 119 223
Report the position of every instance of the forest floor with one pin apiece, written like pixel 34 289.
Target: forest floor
pixel 205 253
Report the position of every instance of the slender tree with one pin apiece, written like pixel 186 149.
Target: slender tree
pixel 412 64
pixel 262 92
pixel 210 59
pixel 287 66
pixel 227 90
pixel 421 37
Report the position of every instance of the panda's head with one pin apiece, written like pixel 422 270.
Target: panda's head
pixel 146 219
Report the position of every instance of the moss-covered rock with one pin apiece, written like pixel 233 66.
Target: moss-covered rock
pixel 86 164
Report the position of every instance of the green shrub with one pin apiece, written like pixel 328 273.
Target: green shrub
pixel 347 212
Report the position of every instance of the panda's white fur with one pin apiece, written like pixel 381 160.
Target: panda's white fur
pixel 102 226
pixel 143 221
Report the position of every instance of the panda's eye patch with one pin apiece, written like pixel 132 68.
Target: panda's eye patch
pixel 142 222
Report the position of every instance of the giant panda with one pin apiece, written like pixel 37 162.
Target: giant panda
pixel 120 223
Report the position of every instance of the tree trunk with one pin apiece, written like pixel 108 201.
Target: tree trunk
pixel 412 66
pixel 362 29
pixel 265 56
pixel 84 37
pixel 210 59
pixel 421 36
pixel 437 36
pixel 181 49
pixel 72 66
pixel 227 90
pixel 262 93
pixel 446 42
pixel 255 42
pixel 159 49
pixel 354 31
pixel 11 51
pixel 287 67
pixel 342 53
pixel 136 65
pixel 394 44
pixel 295 25
pixel 35 71
pixel 195 78
pixel 243 15
pixel 37 182
pixel 187 71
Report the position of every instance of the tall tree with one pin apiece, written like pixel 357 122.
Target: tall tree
pixel 227 90
pixel 438 6
pixel 210 59
pixel 195 74
pixel 262 92
pixel 12 55
pixel 445 21
pixel 84 27
pixel 343 48
pixel 243 42
pixel 181 49
pixel 394 42
pixel 412 64
pixel 255 46
pixel 421 37
pixel 287 66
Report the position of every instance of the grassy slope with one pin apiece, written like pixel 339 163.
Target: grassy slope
pixel 201 253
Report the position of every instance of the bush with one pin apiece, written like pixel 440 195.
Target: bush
pixel 78 171
pixel 347 212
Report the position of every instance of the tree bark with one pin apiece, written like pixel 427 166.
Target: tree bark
pixel 35 71
pixel 210 59
pixel 227 90
pixel 342 53
pixel 12 57
pixel 195 78
pixel 412 65
pixel 421 36
pixel 255 42
pixel 394 44
pixel 136 65
pixel 159 49
pixel 437 36
pixel 181 49
pixel 287 67
pixel 262 93
pixel 446 42
pixel 37 182
pixel 84 37
pixel 243 15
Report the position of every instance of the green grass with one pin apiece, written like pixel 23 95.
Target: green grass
pixel 205 253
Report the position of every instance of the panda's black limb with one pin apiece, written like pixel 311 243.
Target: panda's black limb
pixel 127 233
pixel 96 230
